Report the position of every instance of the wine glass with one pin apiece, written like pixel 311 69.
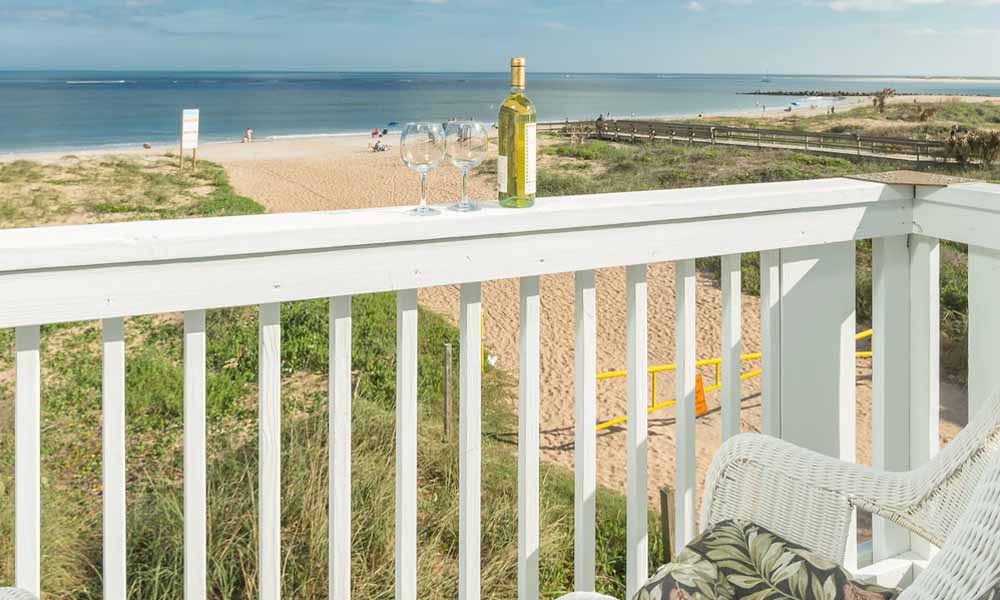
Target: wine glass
pixel 466 143
pixel 422 149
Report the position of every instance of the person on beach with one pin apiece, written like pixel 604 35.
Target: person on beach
pixel 375 133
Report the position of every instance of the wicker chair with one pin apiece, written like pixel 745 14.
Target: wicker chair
pixel 15 594
pixel 953 501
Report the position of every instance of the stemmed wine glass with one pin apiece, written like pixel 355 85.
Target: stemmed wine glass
pixel 422 149
pixel 466 143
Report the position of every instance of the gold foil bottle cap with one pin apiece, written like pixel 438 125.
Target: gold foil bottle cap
pixel 517 72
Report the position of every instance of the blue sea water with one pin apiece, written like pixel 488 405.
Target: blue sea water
pixel 49 110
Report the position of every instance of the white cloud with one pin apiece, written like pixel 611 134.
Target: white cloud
pixel 555 26
pixel 695 6
pixel 878 5
pixel 895 5
pixel 952 32
pixel 923 32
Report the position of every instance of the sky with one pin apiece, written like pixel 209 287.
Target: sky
pixel 904 37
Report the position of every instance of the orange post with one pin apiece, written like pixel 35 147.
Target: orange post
pixel 700 406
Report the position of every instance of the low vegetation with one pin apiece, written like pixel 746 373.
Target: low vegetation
pixel 71 439
pixel 97 190
pixel 902 118
pixel 597 166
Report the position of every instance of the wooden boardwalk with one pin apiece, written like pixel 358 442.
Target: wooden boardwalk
pixel 838 144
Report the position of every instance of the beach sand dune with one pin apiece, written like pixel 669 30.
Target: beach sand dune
pixel 340 173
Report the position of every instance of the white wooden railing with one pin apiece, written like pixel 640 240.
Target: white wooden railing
pixel 805 231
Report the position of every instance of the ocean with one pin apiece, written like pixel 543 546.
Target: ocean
pixel 50 110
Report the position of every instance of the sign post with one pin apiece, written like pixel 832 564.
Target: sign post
pixel 190 120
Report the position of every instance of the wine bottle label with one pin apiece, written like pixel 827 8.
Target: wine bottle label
pixel 502 174
pixel 530 134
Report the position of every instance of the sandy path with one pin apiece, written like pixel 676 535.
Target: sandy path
pixel 339 173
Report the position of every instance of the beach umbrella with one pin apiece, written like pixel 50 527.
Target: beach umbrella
pixel 393 124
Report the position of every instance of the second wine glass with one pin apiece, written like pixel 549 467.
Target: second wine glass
pixel 466 143
pixel 422 148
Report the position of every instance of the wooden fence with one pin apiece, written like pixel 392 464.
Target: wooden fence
pixel 839 143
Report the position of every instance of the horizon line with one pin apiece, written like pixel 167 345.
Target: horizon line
pixel 480 72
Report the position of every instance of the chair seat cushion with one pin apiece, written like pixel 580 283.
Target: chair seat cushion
pixel 735 560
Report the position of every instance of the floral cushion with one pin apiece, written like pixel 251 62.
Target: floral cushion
pixel 736 559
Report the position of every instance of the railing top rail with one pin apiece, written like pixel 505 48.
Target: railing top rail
pixel 32 249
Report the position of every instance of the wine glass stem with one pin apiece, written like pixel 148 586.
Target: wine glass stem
pixel 423 191
pixel 465 186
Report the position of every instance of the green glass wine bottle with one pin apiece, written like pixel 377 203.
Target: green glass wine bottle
pixel 517 144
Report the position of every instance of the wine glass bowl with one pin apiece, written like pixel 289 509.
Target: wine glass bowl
pixel 466 145
pixel 422 148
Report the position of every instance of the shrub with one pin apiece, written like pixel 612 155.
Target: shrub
pixel 981 145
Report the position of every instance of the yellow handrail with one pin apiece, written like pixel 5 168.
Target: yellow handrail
pixel 716 362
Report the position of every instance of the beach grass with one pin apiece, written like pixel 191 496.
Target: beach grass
pixel 902 118
pixel 71 439
pixel 105 189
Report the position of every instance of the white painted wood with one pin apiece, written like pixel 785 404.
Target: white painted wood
pixel 469 440
pixel 962 213
pixel 340 448
pixel 896 571
pixel 269 478
pixel 585 437
pixel 165 286
pixel 113 464
pixel 184 239
pixel 890 377
pixel 27 460
pixel 732 344
pixel 637 515
pixel 195 486
pixel 529 393
pixel 925 345
pixel 406 445
pixel 817 361
pixel 770 342
pixel 685 356
pixel 984 326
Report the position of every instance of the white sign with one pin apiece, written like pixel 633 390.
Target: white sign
pixel 189 129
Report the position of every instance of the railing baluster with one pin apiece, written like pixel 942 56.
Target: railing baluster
pixel 269 481
pixel 637 517
pixel 340 448
pixel 984 326
pixel 685 356
pixel 585 444
pixel 890 377
pixel 195 506
pixel 470 447
pixel 113 465
pixel 528 442
pixel 770 341
pixel 732 344
pixel 925 348
pixel 406 445
pixel 27 460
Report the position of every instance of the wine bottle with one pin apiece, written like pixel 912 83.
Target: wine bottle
pixel 516 157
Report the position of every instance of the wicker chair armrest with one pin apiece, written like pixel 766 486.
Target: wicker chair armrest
pixel 806 497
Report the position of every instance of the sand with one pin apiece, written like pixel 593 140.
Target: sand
pixel 777 112
pixel 340 172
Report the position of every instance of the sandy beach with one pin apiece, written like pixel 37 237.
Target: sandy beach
pixel 325 173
